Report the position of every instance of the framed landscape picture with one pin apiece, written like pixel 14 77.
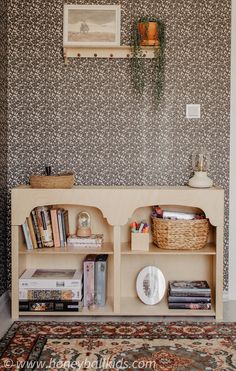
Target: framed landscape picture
pixel 91 25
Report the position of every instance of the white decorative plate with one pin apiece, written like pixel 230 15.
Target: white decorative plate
pixel 150 285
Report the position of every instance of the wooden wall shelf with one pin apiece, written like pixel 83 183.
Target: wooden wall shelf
pixel 115 52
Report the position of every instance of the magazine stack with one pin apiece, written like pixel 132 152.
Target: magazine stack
pixel 189 295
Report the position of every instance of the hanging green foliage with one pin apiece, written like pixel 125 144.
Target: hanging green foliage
pixel 140 39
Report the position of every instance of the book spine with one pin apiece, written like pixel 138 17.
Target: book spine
pixel 26 232
pixel 63 226
pixel 187 299
pixel 66 294
pixel 27 283
pixel 31 230
pixel 49 306
pixel 100 283
pixel 200 306
pixel 36 229
pixel 87 246
pixel 59 218
pixel 190 293
pixel 66 221
pixel 55 228
pixel 88 283
pixel 45 227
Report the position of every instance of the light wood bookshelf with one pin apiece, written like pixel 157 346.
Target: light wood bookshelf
pixel 112 209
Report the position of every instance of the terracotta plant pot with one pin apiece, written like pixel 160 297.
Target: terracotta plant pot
pixel 148 33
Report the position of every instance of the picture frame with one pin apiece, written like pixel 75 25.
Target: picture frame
pixel 91 25
pixel 150 285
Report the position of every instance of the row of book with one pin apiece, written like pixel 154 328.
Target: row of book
pixel 189 295
pixel 65 289
pixel 46 227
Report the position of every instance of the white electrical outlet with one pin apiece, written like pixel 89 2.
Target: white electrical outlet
pixel 193 111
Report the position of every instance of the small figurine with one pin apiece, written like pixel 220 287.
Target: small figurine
pixel 83 225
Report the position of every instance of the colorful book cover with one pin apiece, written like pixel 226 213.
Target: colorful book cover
pixel 65 294
pixel 55 228
pixel 189 286
pixel 36 229
pixel 45 227
pixel 100 280
pixel 49 306
pixel 89 265
pixel 197 306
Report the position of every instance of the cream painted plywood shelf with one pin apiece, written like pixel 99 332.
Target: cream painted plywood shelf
pixel 113 208
pixel 210 249
pixel 107 248
pixel 134 307
pixel 104 52
pixel 103 311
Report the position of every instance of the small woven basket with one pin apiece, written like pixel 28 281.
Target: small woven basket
pixel 180 234
pixel 52 181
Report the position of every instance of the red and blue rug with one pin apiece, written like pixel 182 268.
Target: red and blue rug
pixel 119 346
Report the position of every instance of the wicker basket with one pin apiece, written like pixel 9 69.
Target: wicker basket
pixel 180 234
pixel 52 181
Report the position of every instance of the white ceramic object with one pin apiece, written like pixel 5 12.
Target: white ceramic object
pixel 200 180
pixel 150 285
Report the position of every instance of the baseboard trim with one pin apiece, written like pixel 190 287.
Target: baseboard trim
pixel 4 299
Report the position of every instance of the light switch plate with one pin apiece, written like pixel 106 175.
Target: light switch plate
pixel 193 111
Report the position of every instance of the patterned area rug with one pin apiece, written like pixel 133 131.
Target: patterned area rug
pixel 119 346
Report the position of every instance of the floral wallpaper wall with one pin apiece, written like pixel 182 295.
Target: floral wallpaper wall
pixel 3 144
pixel 86 117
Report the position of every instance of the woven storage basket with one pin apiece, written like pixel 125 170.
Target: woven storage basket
pixel 180 234
pixel 52 181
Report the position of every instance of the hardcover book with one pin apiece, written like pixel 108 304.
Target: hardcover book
pixel 26 232
pixel 65 294
pixel 200 306
pixel 31 230
pixel 55 228
pixel 50 306
pixel 36 229
pixel 189 299
pixel 45 227
pixel 189 288
pixel 101 280
pixel 51 279
pixel 95 240
pixel 89 265
pixel 60 227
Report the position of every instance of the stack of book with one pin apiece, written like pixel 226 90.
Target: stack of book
pixel 46 227
pixel 95 280
pixel 94 241
pixel 50 290
pixel 189 295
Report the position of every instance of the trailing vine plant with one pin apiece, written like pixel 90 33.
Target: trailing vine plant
pixel 138 59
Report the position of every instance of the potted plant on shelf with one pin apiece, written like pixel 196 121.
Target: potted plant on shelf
pixel 148 32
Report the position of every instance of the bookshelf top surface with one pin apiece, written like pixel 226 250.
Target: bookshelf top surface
pixel 96 187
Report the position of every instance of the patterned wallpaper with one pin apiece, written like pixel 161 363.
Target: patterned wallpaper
pixel 3 144
pixel 86 117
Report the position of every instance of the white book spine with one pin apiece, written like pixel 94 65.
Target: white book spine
pixel 27 236
pixel 49 284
